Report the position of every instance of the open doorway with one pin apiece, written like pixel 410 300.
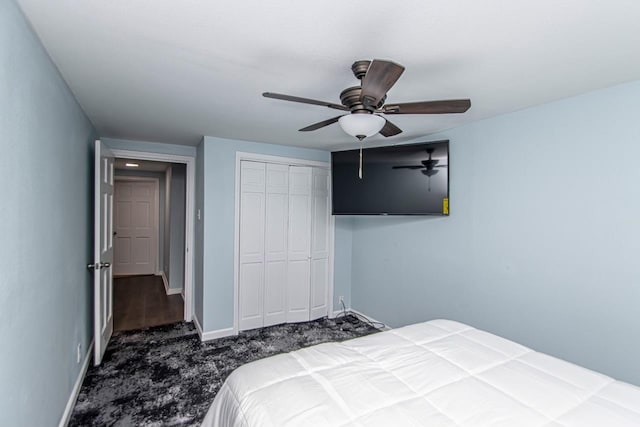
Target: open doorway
pixel 149 243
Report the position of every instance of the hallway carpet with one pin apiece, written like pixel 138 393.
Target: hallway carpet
pixel 164 375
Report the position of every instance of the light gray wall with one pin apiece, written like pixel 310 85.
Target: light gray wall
pixel 198 255
pixel 160 176
pixel 46 229
pixel 342 261
pixel 219 162
pixel 177 225
pixel 543 239
pixel 166 226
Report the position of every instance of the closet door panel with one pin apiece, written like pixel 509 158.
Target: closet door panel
pixel 299 243
pixel 251 295
pixel 277 204
pixel 299 226
pixel 321 213
pixel 319 287
pixel 320 239
pixel 252 227
pixel 252 211
pixel 252 176
pixel 252 248
pixel 274 293
pixel 298 291
pixel 277 188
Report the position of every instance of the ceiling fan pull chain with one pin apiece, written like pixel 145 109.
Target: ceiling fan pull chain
pixel 360 168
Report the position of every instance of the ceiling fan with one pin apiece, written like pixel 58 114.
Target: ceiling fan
pixel 427 167
pixel 366 102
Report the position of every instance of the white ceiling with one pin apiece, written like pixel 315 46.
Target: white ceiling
pixel 170 71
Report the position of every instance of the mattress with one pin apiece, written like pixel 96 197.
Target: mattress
pixel 437 373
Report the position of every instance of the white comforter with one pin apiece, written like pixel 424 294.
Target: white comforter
pixel 438 373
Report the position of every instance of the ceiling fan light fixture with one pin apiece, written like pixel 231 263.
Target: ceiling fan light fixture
pixel 361 125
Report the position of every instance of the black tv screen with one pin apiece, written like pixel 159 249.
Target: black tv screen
pixel 410 179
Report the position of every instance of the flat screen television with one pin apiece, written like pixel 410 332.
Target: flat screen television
pixel 410 179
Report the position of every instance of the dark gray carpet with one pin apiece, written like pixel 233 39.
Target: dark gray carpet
pixel 164 376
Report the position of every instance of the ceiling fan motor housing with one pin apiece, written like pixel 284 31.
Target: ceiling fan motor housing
pixel 360 68
pixel 351 98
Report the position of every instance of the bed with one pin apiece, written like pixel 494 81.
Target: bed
pixel 437 373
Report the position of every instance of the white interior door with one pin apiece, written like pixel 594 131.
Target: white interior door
pixel 277 204
pixel 136 227
pixel 103 250
pixel 299 243
pixel 319 298
pixel 251 269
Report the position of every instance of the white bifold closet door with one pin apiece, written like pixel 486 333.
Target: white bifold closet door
pixel 284 244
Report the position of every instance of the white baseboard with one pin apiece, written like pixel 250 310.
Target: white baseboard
pixel 165 281
pixel 68 410
pixel 167 289
pixel 198 326
pixel 227 332
pixel 212 335
pixel 219 333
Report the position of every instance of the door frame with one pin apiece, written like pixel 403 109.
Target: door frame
pixel 189 217
pixel 240 156
pixel 156 181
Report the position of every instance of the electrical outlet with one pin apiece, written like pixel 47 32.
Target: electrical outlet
pixel 79 353
pixel 341 299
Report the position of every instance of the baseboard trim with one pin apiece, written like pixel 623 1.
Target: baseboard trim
pixel 212 335
pixel 68 410
pixel 165 281
pixel 219 333
pixel 198 326
pixel 167 289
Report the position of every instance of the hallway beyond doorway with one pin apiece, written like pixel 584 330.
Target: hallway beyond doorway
pixel 141 301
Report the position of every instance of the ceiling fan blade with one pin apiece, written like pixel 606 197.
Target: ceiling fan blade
pixel 389 129
pixel 319 125
pixel 304 100
pixel 429 107
pixel 407 167
pixel 380 77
